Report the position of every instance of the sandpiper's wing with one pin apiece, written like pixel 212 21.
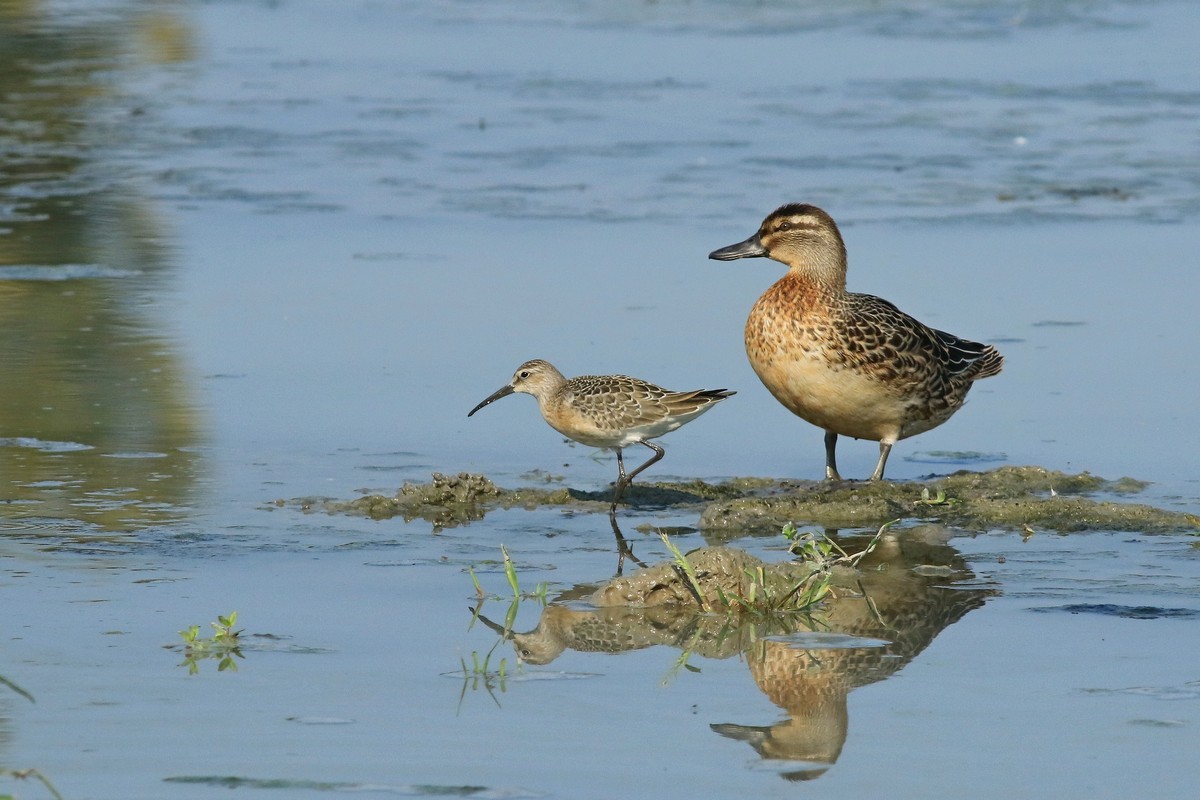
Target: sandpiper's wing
pixel 619 402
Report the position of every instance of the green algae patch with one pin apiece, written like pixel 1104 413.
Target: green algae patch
pixel 1007 497
pixel 1016 498
pixel 667 494
pixel 446 501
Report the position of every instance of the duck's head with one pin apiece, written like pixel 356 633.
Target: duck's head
pixel 536 377
pixel 799 235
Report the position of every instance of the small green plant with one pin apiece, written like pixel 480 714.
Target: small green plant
pixel 540 591
pixel 685 570
pixel 826 553
pixel 480 669
pixel 939 499
pixel 480 674
pixel 6 682
pixel 26 774
pixel 223 646
pixel 820 554
pixel 510 572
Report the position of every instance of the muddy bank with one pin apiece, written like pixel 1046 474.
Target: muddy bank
pixel 1007 498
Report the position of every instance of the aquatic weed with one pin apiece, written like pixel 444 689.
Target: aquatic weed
pixel 25 774
pixel 224 645
pixel 686 571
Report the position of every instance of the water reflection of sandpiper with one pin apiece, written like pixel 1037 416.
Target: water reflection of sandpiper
pixel 887 613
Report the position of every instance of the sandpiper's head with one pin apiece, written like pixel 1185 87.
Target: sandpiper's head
pixel 536 377
pixel 797 234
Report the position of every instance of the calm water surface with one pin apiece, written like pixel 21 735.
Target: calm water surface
pixel 252 251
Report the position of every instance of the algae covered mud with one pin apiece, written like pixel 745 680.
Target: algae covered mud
pixel 1013 498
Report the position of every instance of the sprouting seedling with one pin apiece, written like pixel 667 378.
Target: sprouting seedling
pixel 510 572
pixel 6 682
pixel 479 593
pixel 224 645
pixel 481 675
pixel 25 774
pixel 688 572
pixel 940 499
pixel 822 554
pixel 223 628
pixel 540 591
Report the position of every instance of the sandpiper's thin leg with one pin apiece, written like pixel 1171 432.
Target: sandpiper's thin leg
pixel 831 473
pixel 658 453
pixel 884 449
pixel 622 482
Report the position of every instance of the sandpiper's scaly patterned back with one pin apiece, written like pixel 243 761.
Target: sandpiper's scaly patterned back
pixel 617 410
pixel 850 363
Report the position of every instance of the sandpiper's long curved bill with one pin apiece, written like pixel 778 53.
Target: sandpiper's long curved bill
pixel 507 633
pixel 751 248
pixel 503 391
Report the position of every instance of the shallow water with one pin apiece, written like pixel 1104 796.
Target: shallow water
pixel 273 250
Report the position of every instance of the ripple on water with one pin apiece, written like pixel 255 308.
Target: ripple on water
pixel 62 272
pixel 1126 612
pixel 46 446
pixel 954 457
pixel 819 640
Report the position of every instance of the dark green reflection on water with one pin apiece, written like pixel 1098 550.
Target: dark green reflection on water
pixel 96 422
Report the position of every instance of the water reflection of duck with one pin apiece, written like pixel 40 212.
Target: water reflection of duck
pixel 793 659
pixel 850 363
pixel 906 607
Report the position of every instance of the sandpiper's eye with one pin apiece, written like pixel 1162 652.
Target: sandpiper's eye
pixel 524 374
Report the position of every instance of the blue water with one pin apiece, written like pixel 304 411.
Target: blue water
pixel 259 251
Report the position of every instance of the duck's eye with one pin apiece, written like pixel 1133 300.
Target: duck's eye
pixel 784 225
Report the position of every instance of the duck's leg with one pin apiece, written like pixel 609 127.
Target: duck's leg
pixel 885 448
pixel 831 473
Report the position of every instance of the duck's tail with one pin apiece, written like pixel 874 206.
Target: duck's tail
pixel 972 360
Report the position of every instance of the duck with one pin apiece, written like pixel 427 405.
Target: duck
pixel 852 364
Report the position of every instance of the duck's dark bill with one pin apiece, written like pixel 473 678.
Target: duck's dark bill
pixel 751 248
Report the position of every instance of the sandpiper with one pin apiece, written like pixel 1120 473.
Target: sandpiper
pixel 850 363
pixel 609 411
